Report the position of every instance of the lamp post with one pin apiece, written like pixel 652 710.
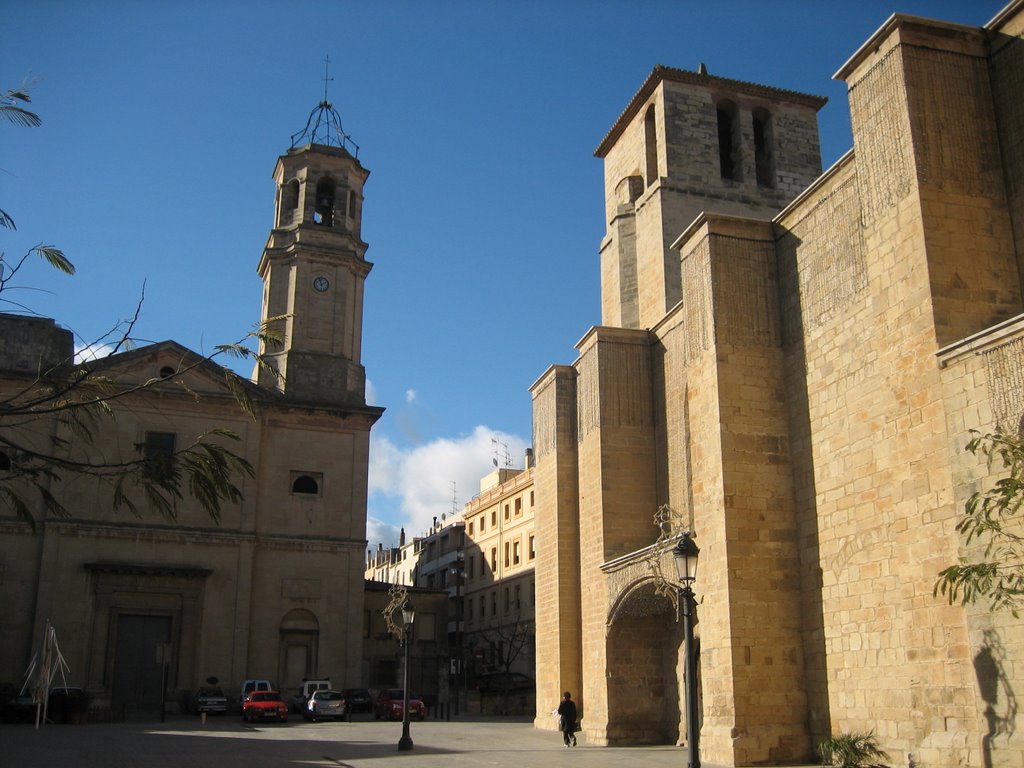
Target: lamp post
pixel 408 616
pixel 685 555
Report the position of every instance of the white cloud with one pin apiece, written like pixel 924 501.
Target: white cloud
pixel 86 352
pixel 371 393
pixel 379 532
pixel 410 395
pixel 409 487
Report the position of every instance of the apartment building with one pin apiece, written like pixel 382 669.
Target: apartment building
pixel 500 552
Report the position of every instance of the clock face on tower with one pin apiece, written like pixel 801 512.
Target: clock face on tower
pixel 321 284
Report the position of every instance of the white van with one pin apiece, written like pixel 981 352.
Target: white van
pixel 254 685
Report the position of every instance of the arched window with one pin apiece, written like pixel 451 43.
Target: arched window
pixel 729 156
pixel 289 202
pixel 764 154
pixel 323 213
pixel 306 485
pixel 651 145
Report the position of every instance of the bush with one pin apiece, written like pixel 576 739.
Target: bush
pixel 851 750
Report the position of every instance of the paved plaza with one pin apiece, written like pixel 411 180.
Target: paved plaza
pixel 227 742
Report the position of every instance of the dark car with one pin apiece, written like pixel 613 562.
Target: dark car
pixel 390 705
pixel 15 706
pixel 210 700
pixel 358 700
pixel 325 705
pixel 505 682
pixel 67 705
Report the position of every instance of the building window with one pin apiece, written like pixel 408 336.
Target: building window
pixel 729 157
pixel 651 145
pixel 494 559
pixel 483 525
pixel 507 514
pixel 470 527
pixel 494 603
pixel 533 552
pixel 519 597
pixel 519 506
pixel 323 213
pixel 289 202
pixel 494 518
pixel 158 454
pixel 471 567
pixel 764 155
pixel 531 499
pixel 508 600
pixel 515 552
pixel 483 607
pixel 305 484
pixel 507 550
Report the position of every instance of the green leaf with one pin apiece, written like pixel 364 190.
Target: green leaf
pixel 56 258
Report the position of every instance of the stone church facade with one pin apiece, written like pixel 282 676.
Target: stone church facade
pixel 274 589
pixel 792 362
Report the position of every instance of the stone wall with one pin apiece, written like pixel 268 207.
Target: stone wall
pixel 984 393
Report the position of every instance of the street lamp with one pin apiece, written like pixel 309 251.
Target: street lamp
pixel 408 616
pixel 685 555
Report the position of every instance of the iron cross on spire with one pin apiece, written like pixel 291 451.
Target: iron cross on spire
pixel 327 78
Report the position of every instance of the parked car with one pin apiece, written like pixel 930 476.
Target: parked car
pixel 390 702
pixel 358 700
pixel 250 686
pixel 15 706
pixel 264 705
pixel 298 701
pixel 209 699
pixel 67 705
pixel 505 682
pixel 325 705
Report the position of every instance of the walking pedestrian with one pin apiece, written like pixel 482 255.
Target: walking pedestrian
pixel 567 719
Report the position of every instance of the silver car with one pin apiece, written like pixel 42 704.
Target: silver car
pixel 325 705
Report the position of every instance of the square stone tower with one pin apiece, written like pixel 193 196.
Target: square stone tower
pixel 690 142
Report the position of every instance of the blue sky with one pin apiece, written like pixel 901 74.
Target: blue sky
pixel 483 211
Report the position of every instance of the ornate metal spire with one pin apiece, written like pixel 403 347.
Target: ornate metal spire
pixel 324 123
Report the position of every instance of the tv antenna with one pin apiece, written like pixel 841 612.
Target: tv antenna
pixel 504 453
pixel 455 503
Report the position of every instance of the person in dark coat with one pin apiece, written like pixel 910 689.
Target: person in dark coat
pixel 567 719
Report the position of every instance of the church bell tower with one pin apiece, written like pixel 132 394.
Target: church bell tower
pixel 314 266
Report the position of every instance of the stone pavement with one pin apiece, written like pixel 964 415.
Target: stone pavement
pixel 227 742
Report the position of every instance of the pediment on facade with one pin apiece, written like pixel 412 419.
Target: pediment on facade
pixel 167 366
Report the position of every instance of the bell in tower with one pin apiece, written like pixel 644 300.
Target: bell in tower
pixel 314 266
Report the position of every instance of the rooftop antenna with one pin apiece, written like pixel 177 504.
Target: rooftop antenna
pixel 455 503
pixel 504 452
pixel 324 123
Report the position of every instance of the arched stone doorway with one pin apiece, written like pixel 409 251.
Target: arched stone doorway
pixel 645 671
